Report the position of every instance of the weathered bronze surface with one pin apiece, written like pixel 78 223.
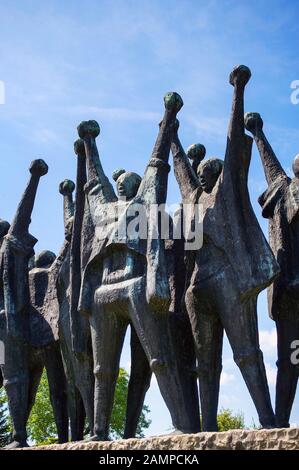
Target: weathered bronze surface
pixel 234 264
pixel 280 204
pixel 70 313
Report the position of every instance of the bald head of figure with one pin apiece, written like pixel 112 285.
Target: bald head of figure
pixel 44 259
pixel 296 166
pixel 4 227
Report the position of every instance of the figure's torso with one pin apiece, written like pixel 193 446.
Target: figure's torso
pixel 211 257
pixel 284 242
pixel 42 320
pixel 120 264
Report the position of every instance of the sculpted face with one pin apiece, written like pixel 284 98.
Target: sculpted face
pixel 208 172
pixel 127 184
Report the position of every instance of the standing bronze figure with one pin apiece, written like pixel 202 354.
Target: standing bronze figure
pixel 83 236
pixel 234 264
pixel 44 346
pixel 127 281
pixel 16 250
pixel 78 367
pixel 280 204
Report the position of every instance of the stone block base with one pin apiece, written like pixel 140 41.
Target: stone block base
pixel 264 439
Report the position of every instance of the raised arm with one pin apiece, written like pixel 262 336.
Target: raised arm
pixel 272 167
pixel 66 188
pixel 154 182
pixel 79 327
pixel 15 253
pixel 236 160
pixel 98 182
pixel 185 173
pixel 22 219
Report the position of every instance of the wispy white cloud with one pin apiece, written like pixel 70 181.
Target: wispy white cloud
pixel 228 362
pixel 124 114
pixel 271 373
pixel 228 400
pixel 226 378
pixel 209 127
pixel 44 136
pixel 268 341
pixel 282 140
pixel 154 382
pixel 257 185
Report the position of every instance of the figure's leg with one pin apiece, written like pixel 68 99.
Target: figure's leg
pixel 241 326
pixel 36 367
pixel 16 382
pixel 58 389
pixel 84 379
pixel 208 338
pixel 76 413
pixel 72 399
pixel 177 384
pixel 75 404
pixel 107 333
pixel 79 373
pixel 139 383
pixel 287 373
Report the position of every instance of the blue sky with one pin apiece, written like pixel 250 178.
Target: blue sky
pixel 63 62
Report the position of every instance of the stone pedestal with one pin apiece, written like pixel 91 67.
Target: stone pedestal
pixel 264 439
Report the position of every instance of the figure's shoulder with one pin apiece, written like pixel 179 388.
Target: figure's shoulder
pixel 275 193
pixel 293 186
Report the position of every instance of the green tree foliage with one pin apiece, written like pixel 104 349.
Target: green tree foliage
pixel 41 425
pixel 4 420
pixel 228 420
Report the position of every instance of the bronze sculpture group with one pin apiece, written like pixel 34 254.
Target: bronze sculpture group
pixel 69 314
